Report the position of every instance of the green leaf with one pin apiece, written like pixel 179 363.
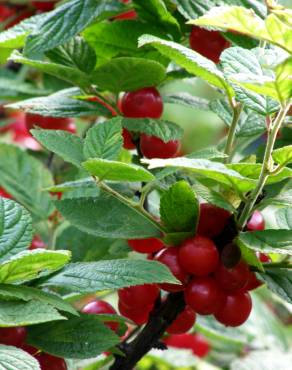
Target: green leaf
pixel 15 229
pixel 116 171
pixel 179 207
pixel 29 265
pixel 283 155
pixel 23 293
pixel 76 53
pixel 65 73
pixel 12 358
pixel 66 145
pixel 187 100
pixel 165 130
pixel 12 88
pixel 65 22
pixel 104 140
pixel 82 337
pixel 61 104
pixel 19 313
pixel 207 153
pixel 268 241
pixel 207 169
pixel 107 217
pixel 87 277
pixel 190 60
pixel 284 218
pixel 263 360
pixel 191 9
pixel 24 177
pixel 279 281
pixel 127 74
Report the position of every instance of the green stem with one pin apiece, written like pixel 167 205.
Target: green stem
pixel 237 109
pixel 267 166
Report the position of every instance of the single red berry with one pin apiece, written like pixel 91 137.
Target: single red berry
pixel 183 323
pixel 101 307
pixel 130 14
pixel 198 256
pixel 264 258
pixel 138 315
pixel 13 336
pixel 153 147
pixel 210 44
pixel 49 123
pixel 4 194
pixel 127 137
pixel 49 362
pixel 256 222
pixel 169 257
pixel 139 296
pixel 212 220
pixel 37 243
pixel 142 103
pixel 149 245
pixel 253 282
pixel 195 342
pixel 233 279
pixel 236 310
pixel 201 346
pixel 230 255
pixel 204 295
pixel 44 6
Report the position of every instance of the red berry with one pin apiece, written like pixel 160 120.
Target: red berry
pixel 6 12
pixel 210 44
pixel 44 6
pixel 153 147
pixel 49 362
pixel 37 243
pixel 142 103
pixel 127 137
pixel 198 256
pixel 256 222
pixel 183 323
pixel 13 336
pixel 138 315
pixel 264 258
pixel 130 14
pixel 30 349
pixel 204 295
pixel 212 220
pixel 233 279
pixel 49 123
pixel 4 194
pixel 253 282
pixel 169 257
pixel 197 343
pixel 139 296
pixel 201 346
pixel 236 309
pixel 101 307
pixel 149 245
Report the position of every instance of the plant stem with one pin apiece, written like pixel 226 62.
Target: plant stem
pixel 237 109
pixel 267 166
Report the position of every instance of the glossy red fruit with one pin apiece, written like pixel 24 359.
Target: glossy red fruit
pixel 149 245
pixel 13 336
pixel 256 222
pixel 37 243
pixel 30 349
pixel 4 194
pixel 153 147
pixel 210 44
pixel 204 295
pixel 198 256
pixel 139 296
pixel 127 137
pixel 264 258
pixel 49 362
pixel 169 257
pixel 183 323
pixel 101 307
pixel 236 310
pixel 44 6
pixel 49 123
pixel 233 279
pixel 130 14
pixel 139 315
pixel 142 103
pixel 195 342
pixel 253 282
pixel 201 346
pixel 212 220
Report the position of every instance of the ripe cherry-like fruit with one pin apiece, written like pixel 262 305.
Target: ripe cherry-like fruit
pixel 169 257
pixel 236 310
pixel 138 315
pixel 264 258
pixel 13 336
pixel 127 137
pixel 149 245
pixel 49 362
pixel 195 342
pixel 139 296
pixel 204 295
pixel 142 103
pixel 230 255
pixel 253 282
pixel 198 256
pixel 233 279
pixel 153 147
pixel 101 307
pixel 201 346
pixel 210 44
pixel 4 194
pixel 212 220
pixel 49 123
pixel 183 323
pixel 256 222
pixel 37 243
pixel 44 6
